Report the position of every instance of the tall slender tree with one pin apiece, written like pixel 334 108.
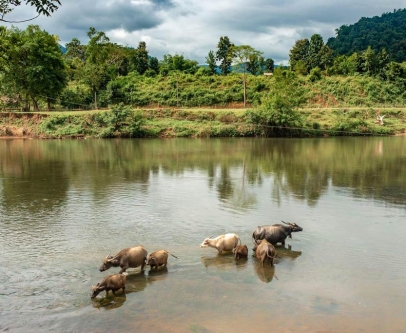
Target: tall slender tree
pixel 211 62
pixel 241 57
pixel 141 58
pixel 94 72
pixel 224 55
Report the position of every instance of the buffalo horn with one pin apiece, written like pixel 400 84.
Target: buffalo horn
pixel 288 223
pixel 112 258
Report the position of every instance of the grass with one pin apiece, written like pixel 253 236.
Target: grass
pixel 202 122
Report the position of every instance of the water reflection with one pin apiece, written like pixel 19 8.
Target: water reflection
pixel 287 252
pixel 40 173
pixel 265 273
pixel 110 302
pixel 224 262
pixel 158 274
pixel 135 283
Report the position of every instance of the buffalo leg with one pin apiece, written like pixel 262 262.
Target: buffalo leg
pixel 143 263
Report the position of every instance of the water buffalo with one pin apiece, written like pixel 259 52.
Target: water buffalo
pixel 275 233
pixel 130 257
pixel 240 251
pixel 111 282
pixel 265 252
pixel 222 243
pixel 158 258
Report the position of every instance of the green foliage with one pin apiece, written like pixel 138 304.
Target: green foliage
pixel 178 63
pixel 140 59
pixel 306 55
pixel 269 65
pixel 278 114
pixel 31 65
pixel 384 32
pixel 224 55
pixel 44 7
pixel 211 63
pixel 299 52
pixel 315 74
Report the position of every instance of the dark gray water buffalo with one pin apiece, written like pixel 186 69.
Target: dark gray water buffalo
pixel 265 252
pixel 111 282
pixel 158 258
pixel 275 233
pixel 130 257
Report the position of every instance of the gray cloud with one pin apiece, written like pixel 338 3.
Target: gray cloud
pixel 193 28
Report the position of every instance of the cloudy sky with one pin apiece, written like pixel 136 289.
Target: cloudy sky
pixel 194 27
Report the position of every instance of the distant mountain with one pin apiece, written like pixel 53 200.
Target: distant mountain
pixel 380 32
pixel 63 49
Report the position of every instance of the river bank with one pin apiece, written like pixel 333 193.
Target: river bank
pixel 198 122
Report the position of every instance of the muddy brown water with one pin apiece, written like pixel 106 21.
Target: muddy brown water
pixel 64 205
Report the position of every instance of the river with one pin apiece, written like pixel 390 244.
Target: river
pixel 67 204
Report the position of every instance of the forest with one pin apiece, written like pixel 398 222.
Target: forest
pixel 36 75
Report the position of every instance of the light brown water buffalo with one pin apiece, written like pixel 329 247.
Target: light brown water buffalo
pixel 111 282
pixel 222 243
pixel 265 252
pixel 240 251
pixel 158 258
pixel 130 257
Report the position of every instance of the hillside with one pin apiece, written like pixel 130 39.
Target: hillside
pixel 380 32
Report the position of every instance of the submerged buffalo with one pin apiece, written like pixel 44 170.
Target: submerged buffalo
pixel 265 252
pixel 130 257
pixel 240 251
pixel 158 258
pixel 275 233
pixel 111 282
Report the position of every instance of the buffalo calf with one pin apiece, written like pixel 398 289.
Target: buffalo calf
pixel 158 258
pixel 111 282
pixel 240 251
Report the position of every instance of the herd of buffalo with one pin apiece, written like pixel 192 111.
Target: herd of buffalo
pixel 264 238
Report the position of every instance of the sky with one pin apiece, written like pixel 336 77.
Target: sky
pixel 193 27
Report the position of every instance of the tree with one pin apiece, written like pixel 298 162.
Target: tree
pixel 154 64
pixel 269 65
pixel 140 59
pixel 315 46
pixel 255 64
pixel 224 55
pixel 369 61
pixel 178 63
pixel 299 52
pixel 326 58
pixel 94 73
pixel 211 62
pixel 74 49
pixel 241 57
pixel 34 67
pixel 45 7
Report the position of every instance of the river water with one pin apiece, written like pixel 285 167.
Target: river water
pixel 65 205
